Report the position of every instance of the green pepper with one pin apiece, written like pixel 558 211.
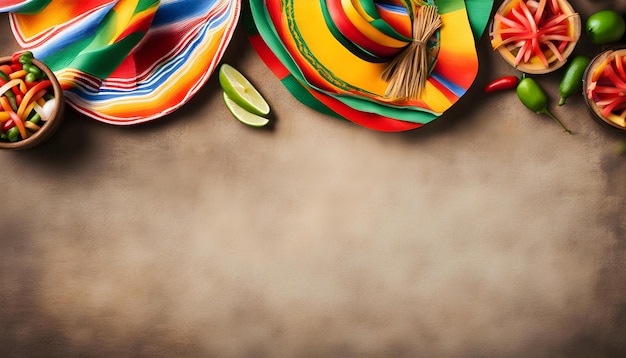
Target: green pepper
pixel 35 118
pixel 572 81
pixel 534 98
pixel 26 57
pixel 30 77
pixel 4 76
pixel 35 70
pixel 13 134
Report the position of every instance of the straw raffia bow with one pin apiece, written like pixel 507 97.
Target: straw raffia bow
pixel 407 73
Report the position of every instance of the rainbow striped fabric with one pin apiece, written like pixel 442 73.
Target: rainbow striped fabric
pixel 305 43
pixel 126 61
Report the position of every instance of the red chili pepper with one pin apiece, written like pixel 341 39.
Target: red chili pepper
pixel 15 57
pixel 8 125
pixel 502 83
pixel 16 66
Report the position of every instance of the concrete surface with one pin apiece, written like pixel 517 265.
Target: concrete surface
pixel 489 233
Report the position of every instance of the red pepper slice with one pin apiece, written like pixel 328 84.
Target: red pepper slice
pixel 502 83
pixel 8 125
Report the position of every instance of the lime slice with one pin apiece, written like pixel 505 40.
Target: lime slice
pixel 243 115
pixel 240 90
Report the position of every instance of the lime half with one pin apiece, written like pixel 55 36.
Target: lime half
pixel 241 91
pixel 242 114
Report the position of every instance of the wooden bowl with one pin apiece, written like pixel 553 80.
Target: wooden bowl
pixel 595 110
pixel 49 127
pixel 535 66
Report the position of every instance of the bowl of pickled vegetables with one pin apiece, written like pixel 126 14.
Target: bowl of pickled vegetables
pixel 31 102
pixel 604 83
pixel 535 37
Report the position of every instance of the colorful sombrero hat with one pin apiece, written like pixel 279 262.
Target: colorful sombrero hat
pixel 296 40
pixel 126 61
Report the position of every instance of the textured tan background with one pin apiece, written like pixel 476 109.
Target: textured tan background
pixel 489 232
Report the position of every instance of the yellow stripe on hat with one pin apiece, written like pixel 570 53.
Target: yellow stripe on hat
pixel 359 8
pixel 368 29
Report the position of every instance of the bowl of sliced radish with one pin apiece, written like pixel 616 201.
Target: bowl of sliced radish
pixel 31 102
pixel 535 36
pixel 604 84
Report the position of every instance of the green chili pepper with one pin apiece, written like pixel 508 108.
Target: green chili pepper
pixel 534 98
pixel 4 76
pixel 26 57
pixel 35 118
pixel 13 134
pixel 30 78
pixel 572 81
pixel 35 70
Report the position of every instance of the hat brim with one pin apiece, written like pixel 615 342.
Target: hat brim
pixel 448 83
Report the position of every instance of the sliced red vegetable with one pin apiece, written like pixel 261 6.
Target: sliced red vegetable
pixel 15 57
pixel 502 83
pixel 533 30
pixel 608 88
pixel 8 124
